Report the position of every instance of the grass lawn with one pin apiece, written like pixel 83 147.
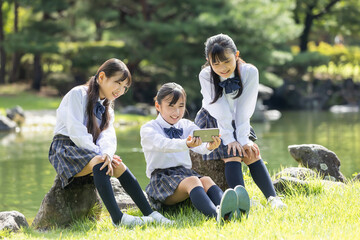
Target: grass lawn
pixel 317 213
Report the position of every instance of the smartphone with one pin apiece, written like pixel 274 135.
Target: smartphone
pixel 206 134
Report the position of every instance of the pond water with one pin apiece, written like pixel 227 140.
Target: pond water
pixel 26 174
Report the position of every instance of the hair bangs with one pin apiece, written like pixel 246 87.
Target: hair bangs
pixel 176 95
pixel 217 54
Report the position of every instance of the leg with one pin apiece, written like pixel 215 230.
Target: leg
pixel 233 172
pixel 132 187
pixel 212 190
pixel 261 175
pixel 192 186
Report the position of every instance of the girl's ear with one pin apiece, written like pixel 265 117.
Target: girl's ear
pixel 237 54
pixel 157 106
pixel 101 77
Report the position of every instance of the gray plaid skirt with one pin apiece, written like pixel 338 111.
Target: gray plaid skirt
pixel 68 159
pixel 203 119
pixel 163 183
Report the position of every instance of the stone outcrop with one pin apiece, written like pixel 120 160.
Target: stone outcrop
pixel 12 220
pixel 212 168
pixel 319 159
pixel 60 207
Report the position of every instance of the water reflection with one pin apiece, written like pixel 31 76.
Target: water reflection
pixel 26 174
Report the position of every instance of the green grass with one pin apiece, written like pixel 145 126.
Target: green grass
pixel 319 214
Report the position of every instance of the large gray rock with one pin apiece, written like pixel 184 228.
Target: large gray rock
pixel 123 200
pixel 212 168
pixel 318 158
pixel 12 220
pixel 6 124
pixel 297 172
pixel 61 207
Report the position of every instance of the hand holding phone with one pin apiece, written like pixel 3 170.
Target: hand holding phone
pixel 206 134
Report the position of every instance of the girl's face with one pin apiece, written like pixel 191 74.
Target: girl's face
pixel 112 88
pixel 171 113
pixel 227 67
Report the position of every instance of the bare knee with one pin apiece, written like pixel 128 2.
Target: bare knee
pixel 207 182
pixel 249 161
pixel 190 183
pixel 232 159
pixel 119 170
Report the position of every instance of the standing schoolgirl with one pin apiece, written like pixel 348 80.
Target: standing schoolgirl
pixel 85 141
pixel 229 87
pixel 166 142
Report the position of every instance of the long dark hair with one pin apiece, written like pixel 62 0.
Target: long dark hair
pixel 110 68
pixel 170 89
pixel 215 49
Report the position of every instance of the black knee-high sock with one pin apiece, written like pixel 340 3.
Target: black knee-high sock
pixel 215 193
pixel 261 177
pixel 202 202
pixel 132 187
pixel 103 185
pixel 233 174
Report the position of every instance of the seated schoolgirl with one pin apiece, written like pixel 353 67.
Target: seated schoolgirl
pixel 85 141
pixel 166 142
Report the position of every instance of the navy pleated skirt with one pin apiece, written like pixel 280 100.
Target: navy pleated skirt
pixel 203 119
pixel 163 183
pixel 68 159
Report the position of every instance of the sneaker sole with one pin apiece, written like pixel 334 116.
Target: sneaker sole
pixel 228 206
pixel 243 201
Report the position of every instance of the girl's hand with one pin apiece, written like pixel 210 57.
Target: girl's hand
pixel 193 141
pixel 215 144
pixel 252 149
pixel 107 162
pixel 236 146
pixel 116 161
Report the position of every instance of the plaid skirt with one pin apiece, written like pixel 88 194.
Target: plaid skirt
pixel 68 159
pixel 203 119
pixel 163 183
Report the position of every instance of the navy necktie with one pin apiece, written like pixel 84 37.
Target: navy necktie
pixel 99 110
pixel 230 84
pixel 173 132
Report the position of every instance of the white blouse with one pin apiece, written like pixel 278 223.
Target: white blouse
pixel 226 109
pixel 71 121
pixel 162 152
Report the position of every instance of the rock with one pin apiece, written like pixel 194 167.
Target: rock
pixel 283 184
pixel 344 109
pixel 287 184
pixel 356 178
pixel 6 124
pixel 297 172
pixel 122 198
pixel 212 168
pixel 16 114
pixel 12 220
pixel 265 92
pixel 61 207
pixel 319 159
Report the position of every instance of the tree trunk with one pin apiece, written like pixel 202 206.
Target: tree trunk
pixel 37 72
pixel 14 75
pixel 2 50
pixel 304 38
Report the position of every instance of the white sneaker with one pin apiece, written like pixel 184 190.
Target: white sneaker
pixel 276 203
pixel 128 220
pixel 160 218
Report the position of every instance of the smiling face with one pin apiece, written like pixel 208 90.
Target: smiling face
pixel 226 66
pixel 112 87
pixel 171 113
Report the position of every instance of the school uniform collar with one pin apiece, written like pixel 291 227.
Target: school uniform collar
pixel 165 124
pixel 231 76
pixel 101 101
